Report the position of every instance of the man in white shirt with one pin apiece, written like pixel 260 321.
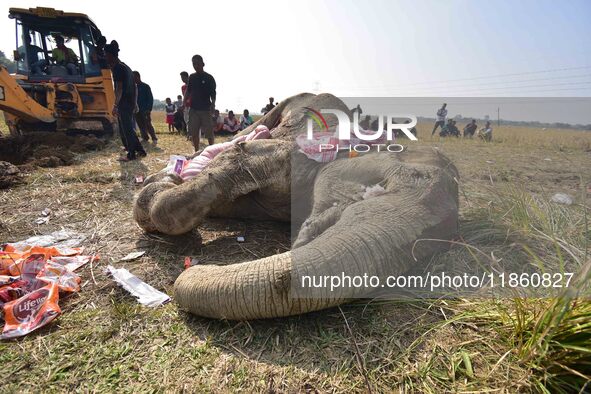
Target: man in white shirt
pixel 441 116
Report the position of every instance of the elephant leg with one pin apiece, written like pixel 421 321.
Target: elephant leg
pixel 315 225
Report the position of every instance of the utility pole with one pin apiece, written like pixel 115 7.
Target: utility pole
pixel 498 116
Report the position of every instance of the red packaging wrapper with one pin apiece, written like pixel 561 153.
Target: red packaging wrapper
pixel 30 312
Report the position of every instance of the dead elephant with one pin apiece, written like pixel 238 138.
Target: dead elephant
pixel 335 229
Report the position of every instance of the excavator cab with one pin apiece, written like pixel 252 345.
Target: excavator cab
pixel 61 80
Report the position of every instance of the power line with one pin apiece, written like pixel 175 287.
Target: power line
pixel 527 87
pixel 505 89
pixel 480 84
pixel 489 76
pixel 487 100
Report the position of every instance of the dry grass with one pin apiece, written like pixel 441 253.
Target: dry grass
pixel 105 341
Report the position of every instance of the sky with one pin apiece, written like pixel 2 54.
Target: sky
pixel 420 48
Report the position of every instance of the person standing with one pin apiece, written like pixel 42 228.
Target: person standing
pixel 179 116
pixel 97 54
pixel 185 79
pixel 125 102
pixel 170 109
pixel 441 116
pixel 201 91
pixel 269 106
pixel 186 106
pixel 145 102
pixel 358 110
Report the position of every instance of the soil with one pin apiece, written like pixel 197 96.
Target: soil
pixel 46 149
pixel 9 175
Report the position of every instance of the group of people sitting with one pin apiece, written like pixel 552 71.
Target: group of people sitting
pixel 450 129
pixel 230 124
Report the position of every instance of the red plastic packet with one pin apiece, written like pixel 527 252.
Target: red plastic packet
pixel 28 267
pixel 7 279
pixel 13 291
pixel 31 311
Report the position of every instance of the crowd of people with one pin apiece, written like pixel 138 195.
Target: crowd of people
pixel 448 127
pixel 187 114
pixel 193 113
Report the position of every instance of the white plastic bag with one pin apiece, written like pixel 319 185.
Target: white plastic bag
pixel 146 294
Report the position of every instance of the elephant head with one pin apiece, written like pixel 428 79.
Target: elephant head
pixel 335 227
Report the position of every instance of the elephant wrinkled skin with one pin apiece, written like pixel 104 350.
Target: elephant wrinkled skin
pixel 335 229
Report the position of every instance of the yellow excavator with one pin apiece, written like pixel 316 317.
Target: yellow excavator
pixel 61 82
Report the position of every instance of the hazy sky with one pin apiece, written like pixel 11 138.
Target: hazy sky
pixel 255 49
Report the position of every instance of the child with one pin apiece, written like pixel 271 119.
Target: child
pixel 170 110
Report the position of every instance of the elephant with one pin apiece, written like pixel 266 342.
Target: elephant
pixel 335 228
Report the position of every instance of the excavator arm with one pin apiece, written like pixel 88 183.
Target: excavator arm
pixel 15 101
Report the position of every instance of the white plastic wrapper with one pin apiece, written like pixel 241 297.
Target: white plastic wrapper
pixel 146 294
pixel 562 198
pixel 62 239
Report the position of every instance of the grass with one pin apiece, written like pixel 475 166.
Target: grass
pixel 105 341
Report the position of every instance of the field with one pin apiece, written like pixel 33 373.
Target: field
pixel 106 341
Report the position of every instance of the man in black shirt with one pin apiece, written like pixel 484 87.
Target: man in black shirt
pixel 145 102
pixel 125 102
pixel 200 98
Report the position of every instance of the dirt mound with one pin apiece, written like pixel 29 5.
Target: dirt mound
pixel 9 174
pixel 46 149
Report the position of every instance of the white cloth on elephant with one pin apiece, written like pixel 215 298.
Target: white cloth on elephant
pixel 199 163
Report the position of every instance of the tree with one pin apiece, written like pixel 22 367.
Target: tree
pixel 6 62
